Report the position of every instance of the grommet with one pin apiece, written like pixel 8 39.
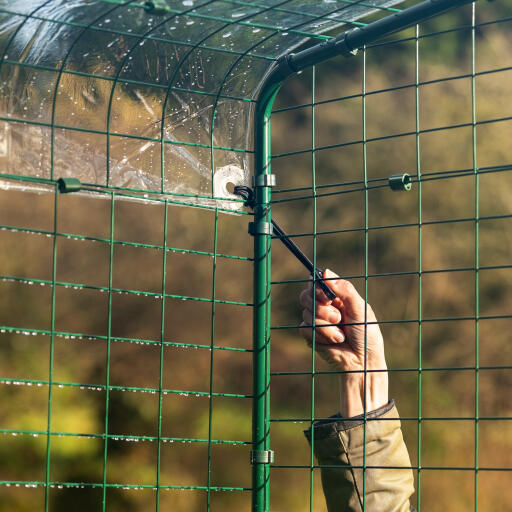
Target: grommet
pixel 262 457
pixel 155 7
pixel 260 228
pixel 67 185
pixel 264 180
pixel 400 182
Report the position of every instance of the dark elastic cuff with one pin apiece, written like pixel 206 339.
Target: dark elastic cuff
pixel 335 424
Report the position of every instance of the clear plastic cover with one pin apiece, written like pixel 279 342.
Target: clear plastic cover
pixel 154 100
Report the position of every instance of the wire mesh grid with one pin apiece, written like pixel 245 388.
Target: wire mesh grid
pixel 428 260
pixel 139 101
pixel 99 400
pixel 30 422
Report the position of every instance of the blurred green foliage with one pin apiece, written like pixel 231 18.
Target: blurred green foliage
pixel 448 347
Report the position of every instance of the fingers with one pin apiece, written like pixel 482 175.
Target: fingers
pixel 325 331
pixel 306 296
pixel 326 312
pixel 347 294
pixel 307 333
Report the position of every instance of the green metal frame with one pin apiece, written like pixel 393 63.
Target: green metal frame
pixel 346 44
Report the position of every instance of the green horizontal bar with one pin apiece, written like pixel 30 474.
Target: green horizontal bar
pixel 103 387
pixel 440 32
pixel 124 243
pixel 314 17
pixel 385 370
pixel 126 136
pixel 228 21
pixel 144 37
pixel 406 321
pixel 91 337
pixel 349 3
pixel 390 89
pixel 69 485
pixel 405 418
pixel 120 437
pixel 368 466
pixel 164 199
pixel 426 176
pixel 394 136
pixel 123 81
pixel 98 188
pixel 120 291
pixel 403 225
pixel 405 273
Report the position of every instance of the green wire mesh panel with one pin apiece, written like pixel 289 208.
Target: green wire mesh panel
pixel 124 384
pixel 125 350
pixel 434 262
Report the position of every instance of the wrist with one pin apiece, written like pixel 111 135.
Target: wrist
pixel 352 392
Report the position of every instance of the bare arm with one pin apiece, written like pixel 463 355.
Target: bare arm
pixel 343 346
pixel 350 441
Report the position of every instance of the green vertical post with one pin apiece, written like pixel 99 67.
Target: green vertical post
pixel 477 252
pixel 161 361
pixel 51 355
pixel 109 349
pixel 420 262
pixel 366 232
pixel 261 318
pixel 313 331
pixel 212 352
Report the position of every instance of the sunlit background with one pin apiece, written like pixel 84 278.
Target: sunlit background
pixel 464 373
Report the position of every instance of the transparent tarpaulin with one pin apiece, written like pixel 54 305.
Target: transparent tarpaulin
pixel 153 97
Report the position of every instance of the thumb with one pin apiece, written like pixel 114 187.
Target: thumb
pixel 345 290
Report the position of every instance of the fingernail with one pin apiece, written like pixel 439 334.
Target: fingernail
pixel 339 337
pixel 329 273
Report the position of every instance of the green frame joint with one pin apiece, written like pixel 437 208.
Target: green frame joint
pixel 67 185
pixel 400 182
pixel 262 456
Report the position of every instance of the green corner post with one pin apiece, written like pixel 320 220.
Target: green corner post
pixel 346 44
pixel 261 319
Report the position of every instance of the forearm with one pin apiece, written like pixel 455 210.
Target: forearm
pixel 352 390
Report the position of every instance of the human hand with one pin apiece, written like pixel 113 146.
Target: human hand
pixel 340 340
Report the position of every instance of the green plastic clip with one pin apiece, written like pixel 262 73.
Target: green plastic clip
pixel 260 228
pixel 155 7
pixel 262 457
pixel 400 182
pixel 264 180
pixel 67 185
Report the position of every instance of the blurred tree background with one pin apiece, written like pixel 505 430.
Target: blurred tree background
pixel 448 347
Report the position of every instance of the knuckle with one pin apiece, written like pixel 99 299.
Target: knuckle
pixel 350 289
